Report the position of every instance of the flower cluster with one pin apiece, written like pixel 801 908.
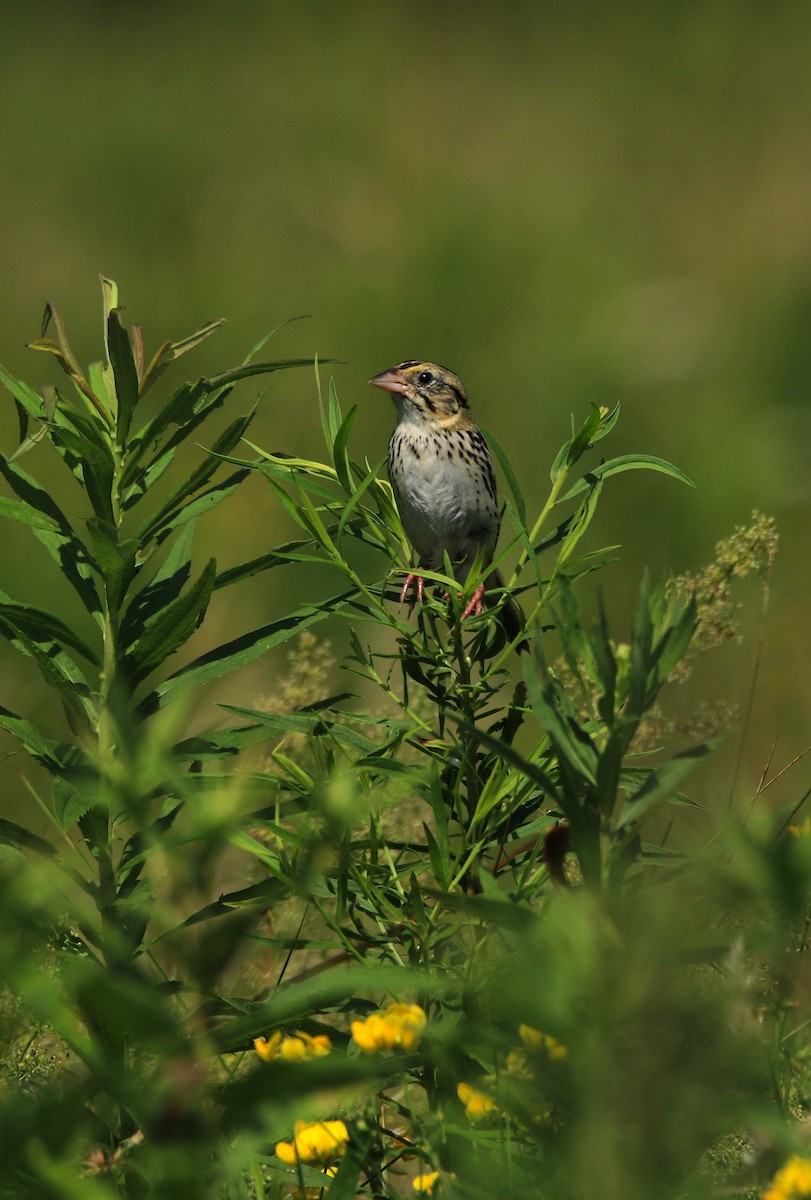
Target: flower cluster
pixel 316 1142
pixel 396 1027
pixel 478 1105
pixel 535 1042
pixel 292 1049
pixel 523 1061
pixel 792 1182
pixel 522 1065
pixel 428 1184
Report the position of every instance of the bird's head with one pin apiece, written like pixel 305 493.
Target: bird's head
pixel 427 391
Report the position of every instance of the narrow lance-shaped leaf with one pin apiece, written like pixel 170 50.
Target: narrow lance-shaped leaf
pixel 30 400
pixel 43 627
pixel 166 584
pixel 60 673
pixel 167 630
pixel 280 557
pixel 54 756
pixel 12 834
pixel 68 551
pixel 124 372
pixel 579 524
pixel 339 450
pixel 663 783
pixel 18 510
pixel 575 747
pixel 169 352
pixel 198 478
pixel 116 559
pixel 510 476
pixel 242 650
pixel 249 370
pixel 178 410
pixel 626 462
pixel 61 350
pixel 193 509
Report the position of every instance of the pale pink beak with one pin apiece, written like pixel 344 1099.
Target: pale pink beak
pixel 390 381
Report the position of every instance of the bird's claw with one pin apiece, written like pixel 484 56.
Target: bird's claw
pixel 418 584
pixel 475 605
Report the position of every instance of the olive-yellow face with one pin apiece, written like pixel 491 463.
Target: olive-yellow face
pixel 425 389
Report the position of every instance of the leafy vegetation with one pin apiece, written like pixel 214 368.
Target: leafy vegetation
pixel 431 936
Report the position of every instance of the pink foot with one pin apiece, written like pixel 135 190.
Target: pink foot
pixel 413 581
pixel 474 605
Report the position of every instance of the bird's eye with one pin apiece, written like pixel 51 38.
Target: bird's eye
pixel 425 377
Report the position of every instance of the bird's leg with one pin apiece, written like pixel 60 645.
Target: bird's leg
pixel 475 604
pixel 413 581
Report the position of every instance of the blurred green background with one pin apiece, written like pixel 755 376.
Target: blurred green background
pixel 565 203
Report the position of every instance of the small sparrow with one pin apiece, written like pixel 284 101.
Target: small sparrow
pixel 443 480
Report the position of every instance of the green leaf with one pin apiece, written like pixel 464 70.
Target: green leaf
pixel 68 551
pixel 170 513
pixel 124 372
pixel 280 557
pixel 59 671
pixel 178 410
pixel 167 630
pixel 575 748
pixel 585 436
pixel 340 457
pixel 262 895
pixel 525 766
pixel 579 523
pixel 195 508
pixel 70 803
pixel 91 464
pixel 43 627
pixel 509 475
pixel 249 370
pixel 626 462
pixel 164 587
pixel 146 477
pixel 334 415
pixel 43 749
pixel 290 1003
pixel 12 834
pixel 265 338
pixel 68 361
pixel 116 560
pixel 310 721
pixel 169 352
pixel 243 650
pixel 25 396
pixel 55 757
pixel 220 743
pixel 663 783
pixel 18 510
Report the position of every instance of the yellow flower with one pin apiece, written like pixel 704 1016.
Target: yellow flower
pixel 478 1105
pixel 396 1027
pixel 535 1041
pixel 792 1182
pixel 425 1183
pixel 319 1142
pixel 292 1049
pixel 803 830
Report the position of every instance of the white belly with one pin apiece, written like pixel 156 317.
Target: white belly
pixel 444 503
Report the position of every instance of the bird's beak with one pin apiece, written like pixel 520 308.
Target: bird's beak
pixel 390 381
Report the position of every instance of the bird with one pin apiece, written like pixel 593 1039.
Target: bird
pixel 443 480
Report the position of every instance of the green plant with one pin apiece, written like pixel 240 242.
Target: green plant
pixel 472 993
